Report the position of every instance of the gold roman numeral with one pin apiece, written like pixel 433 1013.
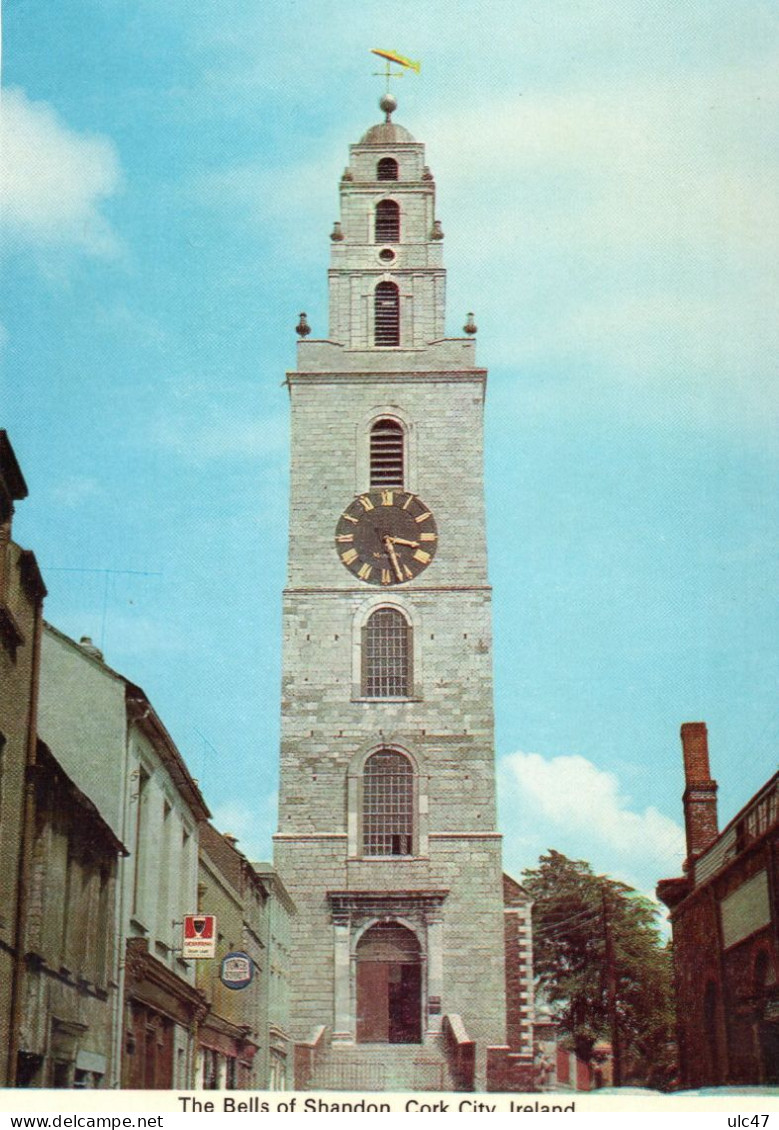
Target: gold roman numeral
pixel 349 518
pixel 387 497
pixel 408 502
pixel 365 571
pixel 407 571
pixel 386 577
pixel 350 556
pixel 349 537
pixel 420 555
pixel 366 503
pixel 421 517
pixel 428 537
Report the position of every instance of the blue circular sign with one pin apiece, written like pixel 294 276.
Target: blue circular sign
pixel 237 970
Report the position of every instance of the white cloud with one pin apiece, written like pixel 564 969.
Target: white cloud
pixel 223 438
pixel 54 179
pixel 252 824
pixel 650 214
pixel 73 490
pixel 569 804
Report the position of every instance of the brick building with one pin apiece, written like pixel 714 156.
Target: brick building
pixel 231 1034
pixel 387 838
pixel 725 920
pixel 21 610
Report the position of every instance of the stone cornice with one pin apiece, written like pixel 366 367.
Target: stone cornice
pixel 399 376
pixel 344 903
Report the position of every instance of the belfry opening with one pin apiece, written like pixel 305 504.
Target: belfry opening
pixel 389 985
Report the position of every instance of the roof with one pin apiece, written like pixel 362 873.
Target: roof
pixel 47 762
pixel 9 469
pixel 386 133
pixel 140 710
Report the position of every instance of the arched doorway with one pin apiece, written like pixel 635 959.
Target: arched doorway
pixel 389 986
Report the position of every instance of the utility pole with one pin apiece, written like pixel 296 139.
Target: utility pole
pixel 611 990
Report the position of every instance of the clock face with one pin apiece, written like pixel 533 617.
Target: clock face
pixel 386 537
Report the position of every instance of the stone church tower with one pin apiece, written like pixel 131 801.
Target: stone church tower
pixel 387 834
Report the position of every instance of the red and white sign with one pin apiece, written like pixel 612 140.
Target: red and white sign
pixel 199 936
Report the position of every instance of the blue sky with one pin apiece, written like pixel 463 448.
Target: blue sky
pixel 606 179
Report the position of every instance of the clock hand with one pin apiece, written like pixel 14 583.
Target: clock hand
pixel 404 541
pixel 390 548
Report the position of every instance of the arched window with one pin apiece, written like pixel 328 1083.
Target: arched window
pixel 386 655
pixel 386 314
pixel 387 222
pixel 387 169
pixel 387 454
pixel 387 804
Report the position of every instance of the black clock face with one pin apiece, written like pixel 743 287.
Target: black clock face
pixel 386 537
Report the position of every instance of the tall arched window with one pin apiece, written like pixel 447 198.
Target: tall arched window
pixel 387 804
pixel 387 454
pixel 386 303
pixel 387 169
pixel 386 655
pixel 387 222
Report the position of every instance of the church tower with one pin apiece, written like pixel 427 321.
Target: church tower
pixel 387 834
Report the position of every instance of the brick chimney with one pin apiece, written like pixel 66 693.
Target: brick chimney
pixel 700 794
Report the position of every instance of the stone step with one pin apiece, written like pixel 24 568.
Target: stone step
pixel 382 1067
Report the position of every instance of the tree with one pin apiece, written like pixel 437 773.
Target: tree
pixel 600 961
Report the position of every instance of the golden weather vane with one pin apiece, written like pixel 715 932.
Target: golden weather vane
pixel 391 57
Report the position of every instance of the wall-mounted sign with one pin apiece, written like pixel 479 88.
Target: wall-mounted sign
pixel 237 970
pixel 199 936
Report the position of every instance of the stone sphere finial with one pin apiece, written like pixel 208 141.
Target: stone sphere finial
pixel 388 102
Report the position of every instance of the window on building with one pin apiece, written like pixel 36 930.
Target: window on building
pixel 387 222
pixel 139 847
pixel 388 804
pixel 387 454
pixel 387 169
pixel 231 1074
pixel 386 655
pixel 387 314
pixel 210 1070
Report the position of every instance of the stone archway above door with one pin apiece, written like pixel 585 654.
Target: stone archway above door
pixel 355 914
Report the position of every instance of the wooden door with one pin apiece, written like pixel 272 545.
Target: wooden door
pixel 373 1002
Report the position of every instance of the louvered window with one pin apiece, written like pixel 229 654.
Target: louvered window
pixel 387 222
pixel 388 804
pixel 386 655
pixel 387 444
pixel 387 169
pixel 387 314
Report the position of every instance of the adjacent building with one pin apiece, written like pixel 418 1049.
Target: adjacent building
pixel 21 611
pixel 68 1000
pixel 725 920
pixel 230 1036
pixel 243 1041
pixel 100 830
pixel 275 995
pixel 110 742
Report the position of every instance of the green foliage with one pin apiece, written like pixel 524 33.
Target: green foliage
pixel 599 957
